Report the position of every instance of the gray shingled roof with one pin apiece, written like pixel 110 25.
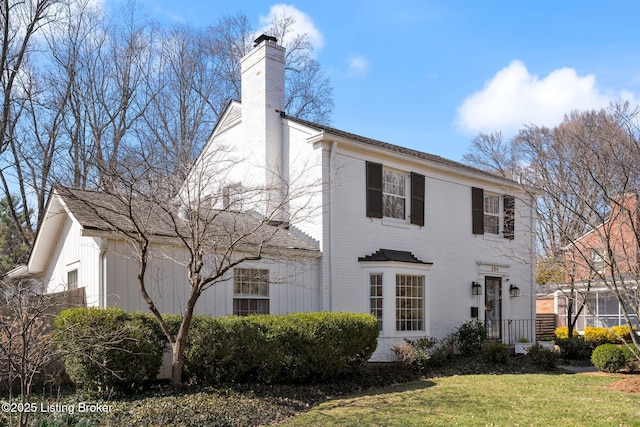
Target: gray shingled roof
pixel 101 211
pixel 398 149
pixel 393 255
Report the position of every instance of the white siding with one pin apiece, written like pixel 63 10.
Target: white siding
pixel 294 284
pixel 73 251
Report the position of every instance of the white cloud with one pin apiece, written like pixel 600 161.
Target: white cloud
pixel 303 23
pixel 358 66
pixel 514 97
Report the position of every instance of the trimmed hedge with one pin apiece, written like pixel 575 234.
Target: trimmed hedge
pixel 609 358
pixel 103 348
pixel 285 349
pixel 106 348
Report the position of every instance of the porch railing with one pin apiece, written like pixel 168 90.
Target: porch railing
pixel 513 330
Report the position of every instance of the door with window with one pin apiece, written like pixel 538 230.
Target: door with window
pixel 493 307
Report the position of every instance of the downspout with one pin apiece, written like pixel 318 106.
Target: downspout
pixel 534 294
pixel 102 273
pixel 334 145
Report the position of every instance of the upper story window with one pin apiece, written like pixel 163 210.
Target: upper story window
pixel 393 194
pixel 490 211
pixel 232 197
pixel 598 260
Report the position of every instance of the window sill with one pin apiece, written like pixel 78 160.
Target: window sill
pixel 393 222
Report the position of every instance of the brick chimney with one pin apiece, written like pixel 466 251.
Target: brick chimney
pixel 262 101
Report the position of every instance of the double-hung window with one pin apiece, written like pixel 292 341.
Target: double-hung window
pixel 250 291
pixel 490 211
pixel 393 193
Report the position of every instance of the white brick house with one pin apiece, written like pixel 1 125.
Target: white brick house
pixel 403 234
pixel 422 242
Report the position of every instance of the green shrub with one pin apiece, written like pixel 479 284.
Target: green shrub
pixel 443 351
pixel 471 337
pixel 103 348
pixel 543 357
pixel 289 348
pixel 632 354
pixel 609 358
pixel 575 348
pixel 496 352
pixel 226 349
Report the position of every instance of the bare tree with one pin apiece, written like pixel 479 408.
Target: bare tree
pixel 20 22
pixel 27 348
pixel 584 176
pixel 309 94
pixel 215 230
pixel 490 152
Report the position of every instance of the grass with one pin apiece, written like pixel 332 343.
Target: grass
pixel 466 392
pixel 511 400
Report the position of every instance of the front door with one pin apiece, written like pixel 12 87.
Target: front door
pixel 493 307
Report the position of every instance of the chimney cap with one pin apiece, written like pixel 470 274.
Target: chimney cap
pixel 262 38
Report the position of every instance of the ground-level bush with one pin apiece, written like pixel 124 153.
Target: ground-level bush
pixel 609 358
pixel 415 354
pixel 288 348
pixel 543 357
pixel 496 352
pixel 102 348
pixel 472 337
pixel 632 353
pixel 575 348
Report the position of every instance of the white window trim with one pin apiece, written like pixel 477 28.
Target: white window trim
pixel 235 295
pixel 389 270
pixel 71 267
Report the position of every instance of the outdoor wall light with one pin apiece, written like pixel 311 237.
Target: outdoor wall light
pixel 476 288
pixel 514 291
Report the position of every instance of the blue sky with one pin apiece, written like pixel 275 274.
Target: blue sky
pixel 430 75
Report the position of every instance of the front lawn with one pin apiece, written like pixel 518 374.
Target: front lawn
pixel 469 400
pixel 466 392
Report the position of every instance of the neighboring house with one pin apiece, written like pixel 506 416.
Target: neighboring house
pixel 421 242
pixel 601 260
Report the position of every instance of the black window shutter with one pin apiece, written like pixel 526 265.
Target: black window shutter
pixel 374 190
pixel 417 199
pixel 509 203
pixel 477 210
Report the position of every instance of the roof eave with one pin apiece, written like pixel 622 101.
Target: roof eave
pixel 323 136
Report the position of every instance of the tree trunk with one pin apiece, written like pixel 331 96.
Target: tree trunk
pixel 177 362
